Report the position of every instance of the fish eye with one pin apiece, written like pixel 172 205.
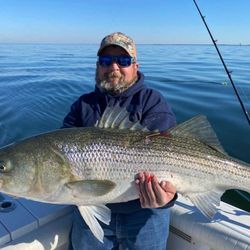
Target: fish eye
pixel 3 167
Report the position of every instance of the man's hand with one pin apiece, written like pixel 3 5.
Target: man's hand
pixel 152 193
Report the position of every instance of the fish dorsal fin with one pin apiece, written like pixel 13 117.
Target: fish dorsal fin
pixel 117 117
pixel 198 127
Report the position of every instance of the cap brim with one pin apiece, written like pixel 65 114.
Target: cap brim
pixel 110 44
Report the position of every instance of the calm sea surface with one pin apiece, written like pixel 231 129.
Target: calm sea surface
pixel 38 83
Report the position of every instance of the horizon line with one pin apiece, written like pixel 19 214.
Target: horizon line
pixel 79 43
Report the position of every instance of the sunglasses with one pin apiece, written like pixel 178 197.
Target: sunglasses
pixel 123 61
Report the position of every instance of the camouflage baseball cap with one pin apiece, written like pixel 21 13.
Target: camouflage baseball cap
pixel 119 39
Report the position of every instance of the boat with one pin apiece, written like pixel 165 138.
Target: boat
pixel 27 224
pixel 190 230
pixel 31 225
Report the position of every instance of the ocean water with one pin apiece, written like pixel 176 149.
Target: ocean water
pixel 39 82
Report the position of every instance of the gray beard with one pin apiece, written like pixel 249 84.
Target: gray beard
pixel 112 88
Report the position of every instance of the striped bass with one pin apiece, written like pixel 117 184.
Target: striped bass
pixel 90 167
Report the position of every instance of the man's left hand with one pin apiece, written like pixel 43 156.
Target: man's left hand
pixel 153 194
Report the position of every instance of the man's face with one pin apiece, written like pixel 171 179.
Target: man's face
pixel 114 78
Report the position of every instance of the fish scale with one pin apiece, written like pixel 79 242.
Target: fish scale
pixel 174 150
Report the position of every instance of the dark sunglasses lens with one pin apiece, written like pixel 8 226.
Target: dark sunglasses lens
pixel 124 61
pixel 105 61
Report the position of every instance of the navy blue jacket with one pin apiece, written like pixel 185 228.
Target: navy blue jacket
pixel 143 103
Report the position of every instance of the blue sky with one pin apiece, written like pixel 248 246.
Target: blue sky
pixel 147 21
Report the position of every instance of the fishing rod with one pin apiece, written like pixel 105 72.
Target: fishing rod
pixel 225 66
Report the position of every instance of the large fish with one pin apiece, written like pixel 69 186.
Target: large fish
pixel 90 167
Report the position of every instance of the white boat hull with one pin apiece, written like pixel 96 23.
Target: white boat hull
pixel 190 230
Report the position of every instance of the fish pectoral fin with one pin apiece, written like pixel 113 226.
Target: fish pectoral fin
pixel 207 202
pixel 91 213
pixel 86 188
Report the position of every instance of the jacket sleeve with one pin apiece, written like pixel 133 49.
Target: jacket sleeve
pixel 171 203
pixel 73 118
pixel 157 114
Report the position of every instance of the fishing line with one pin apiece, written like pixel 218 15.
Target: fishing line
pixel 225 67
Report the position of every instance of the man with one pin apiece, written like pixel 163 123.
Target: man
pixel 139 224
